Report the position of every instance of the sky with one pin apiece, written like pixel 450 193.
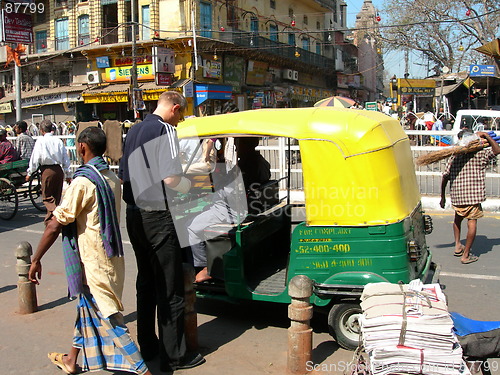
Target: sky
pixel 394 61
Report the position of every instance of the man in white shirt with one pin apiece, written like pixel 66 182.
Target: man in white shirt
pixel 50 155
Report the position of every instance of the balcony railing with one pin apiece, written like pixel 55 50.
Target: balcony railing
pixel 250 40
pixel 109 35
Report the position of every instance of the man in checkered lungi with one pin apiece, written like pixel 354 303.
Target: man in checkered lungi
pixel 466 174
pixel 93 256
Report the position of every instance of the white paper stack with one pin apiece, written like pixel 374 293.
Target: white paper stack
pixel 406 329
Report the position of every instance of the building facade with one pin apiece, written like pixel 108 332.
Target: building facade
pixel 259 54
pixel 370 61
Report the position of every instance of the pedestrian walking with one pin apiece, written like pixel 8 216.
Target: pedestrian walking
pixel 466 174
pixel 88 218
pixel 24 144
pixel 151 172
pixel 50 155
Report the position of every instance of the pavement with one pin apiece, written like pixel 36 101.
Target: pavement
pixel 242 339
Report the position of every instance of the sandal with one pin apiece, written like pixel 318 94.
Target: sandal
pixel 57 359
pixel 460 252
pixel 470 259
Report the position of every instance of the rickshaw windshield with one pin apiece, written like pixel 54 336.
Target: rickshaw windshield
pixel 357 165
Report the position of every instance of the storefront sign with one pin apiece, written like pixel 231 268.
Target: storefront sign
pixel 163 79
pixel 106 98
pixel 124 61
pixel 102 62
pixel 35 101
pixel 371 106
pixel 5 107
pixel 257 73
pixel 482 70
pixel 16 27
pixel 212 69
pixel 423 91
pixel 204 92
pixel 234 72
pixel 163 60
pixel 122 73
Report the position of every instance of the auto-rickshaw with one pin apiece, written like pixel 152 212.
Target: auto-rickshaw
pixel 363 216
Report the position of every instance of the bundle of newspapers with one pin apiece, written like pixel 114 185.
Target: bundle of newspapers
pixel 406 329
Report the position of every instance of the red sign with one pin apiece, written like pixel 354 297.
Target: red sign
pixel 17 28
pixel 163 79
pixel 122 61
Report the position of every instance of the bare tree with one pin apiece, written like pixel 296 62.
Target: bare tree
pixel 445 32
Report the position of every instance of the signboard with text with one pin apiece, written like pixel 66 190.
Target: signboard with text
pixel 16 28
pixel 482 70
pixel 122 73
pixel 163 79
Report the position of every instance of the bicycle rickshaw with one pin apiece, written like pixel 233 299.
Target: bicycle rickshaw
pixel 14 188
pixel 364 221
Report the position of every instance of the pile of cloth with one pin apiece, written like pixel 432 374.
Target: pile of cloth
pixel 406 329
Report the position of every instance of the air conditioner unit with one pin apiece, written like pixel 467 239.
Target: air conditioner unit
pixel 295 75
pixel 288 74
pixel 93 77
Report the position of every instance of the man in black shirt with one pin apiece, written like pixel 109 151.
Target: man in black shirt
pixel 151 172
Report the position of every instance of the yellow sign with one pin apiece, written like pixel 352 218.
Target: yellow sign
pixel 105 98
pixel 119 97
pixel 469 82
pixel 5 108
pixel 122 73
pixel 406 82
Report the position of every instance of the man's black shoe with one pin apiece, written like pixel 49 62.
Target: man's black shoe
pixel 190 361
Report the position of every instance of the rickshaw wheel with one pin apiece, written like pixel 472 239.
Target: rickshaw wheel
pixel 9 201
pixel 343 323
pixel 35 191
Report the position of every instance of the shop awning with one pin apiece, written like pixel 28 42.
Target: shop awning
pixel 112 93
pixel 209 91
pixel 47 96
pixel 447 89
pixel 491 49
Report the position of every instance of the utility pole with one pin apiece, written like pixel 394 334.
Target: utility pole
pixel 17 77
pixel 133 72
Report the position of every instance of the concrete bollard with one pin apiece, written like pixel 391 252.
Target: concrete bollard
pixel 26 289
pixel 300 332
pixel 190 317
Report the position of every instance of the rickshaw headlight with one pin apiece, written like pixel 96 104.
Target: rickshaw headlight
pixel 414 251
pixel 428 227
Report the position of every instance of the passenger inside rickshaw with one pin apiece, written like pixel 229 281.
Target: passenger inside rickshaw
pixel 242 190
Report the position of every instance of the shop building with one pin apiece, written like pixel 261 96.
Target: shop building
pixel 265 54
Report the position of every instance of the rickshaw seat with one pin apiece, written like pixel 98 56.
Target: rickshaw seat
pixel 223 236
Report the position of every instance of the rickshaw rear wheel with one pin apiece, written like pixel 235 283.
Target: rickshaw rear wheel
pixel 343 323
pixel 35 191
pixel 9 201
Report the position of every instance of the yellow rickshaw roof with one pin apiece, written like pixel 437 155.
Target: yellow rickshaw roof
pixel 357 165
pixel 345 127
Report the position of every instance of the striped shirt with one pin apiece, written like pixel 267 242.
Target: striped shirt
pixel 467 173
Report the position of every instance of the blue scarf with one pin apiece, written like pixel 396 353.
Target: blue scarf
pixel 110 230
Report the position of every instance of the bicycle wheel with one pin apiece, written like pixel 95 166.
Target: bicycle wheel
pixel 9 201
pixel 35 191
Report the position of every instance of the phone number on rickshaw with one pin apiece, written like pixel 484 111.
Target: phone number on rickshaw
pixel 321 249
